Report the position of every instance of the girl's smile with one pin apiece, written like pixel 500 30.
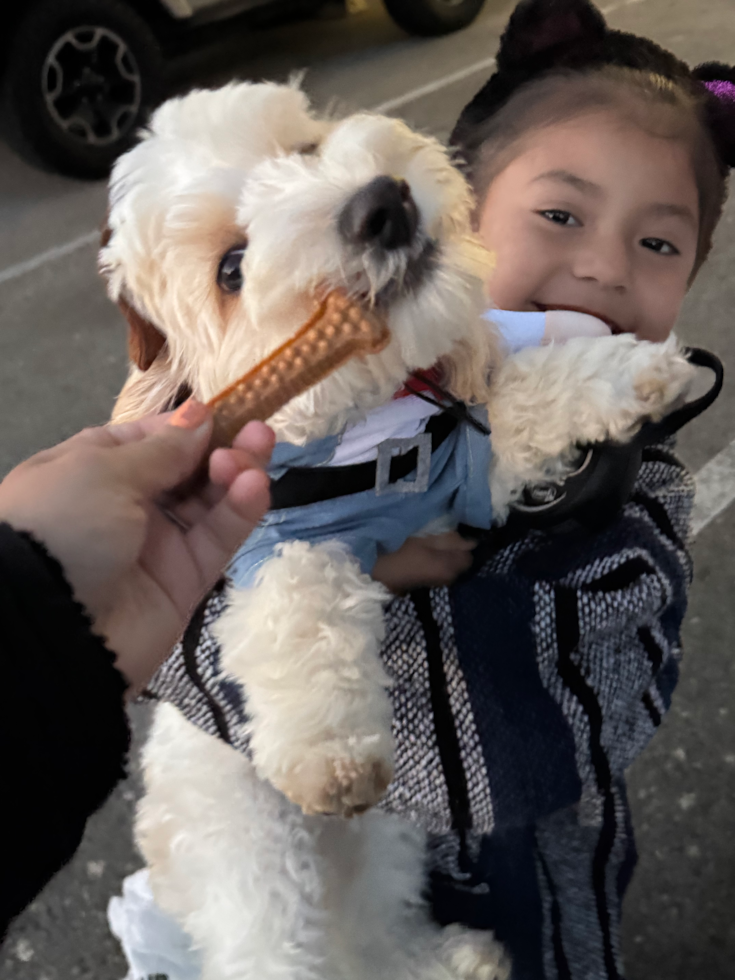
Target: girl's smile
pixel 599 216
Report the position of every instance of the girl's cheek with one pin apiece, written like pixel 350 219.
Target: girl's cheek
pixel 520 266
pixel 506 285
pixel 660 292
pixel 662 318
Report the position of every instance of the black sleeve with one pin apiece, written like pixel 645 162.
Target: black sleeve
pixel 64 734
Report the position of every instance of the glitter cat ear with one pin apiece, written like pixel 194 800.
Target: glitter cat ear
pixel 719 80
pixel 549 28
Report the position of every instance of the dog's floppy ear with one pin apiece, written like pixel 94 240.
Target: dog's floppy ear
pixel 145 341
pixel 549 27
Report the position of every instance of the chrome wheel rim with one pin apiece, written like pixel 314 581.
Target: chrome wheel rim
pixel 92 86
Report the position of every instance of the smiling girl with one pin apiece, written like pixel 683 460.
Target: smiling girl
pixel 599 163
pixel 609 201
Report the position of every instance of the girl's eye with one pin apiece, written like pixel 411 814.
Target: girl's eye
pixel 660 246
pixel 559 217
pixel 229 273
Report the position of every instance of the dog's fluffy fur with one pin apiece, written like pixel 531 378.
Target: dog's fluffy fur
pixel 237 848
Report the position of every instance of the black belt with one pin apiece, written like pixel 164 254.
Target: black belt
pixel 302 485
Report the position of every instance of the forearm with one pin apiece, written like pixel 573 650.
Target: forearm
pixel 63 729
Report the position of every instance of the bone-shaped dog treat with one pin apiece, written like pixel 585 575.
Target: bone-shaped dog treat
pixel 338 330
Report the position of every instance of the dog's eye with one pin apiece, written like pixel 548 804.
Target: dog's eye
pixel 229 273
pixel 307 149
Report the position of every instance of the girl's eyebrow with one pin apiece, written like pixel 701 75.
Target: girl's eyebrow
pixel 673 211
pixel 572 180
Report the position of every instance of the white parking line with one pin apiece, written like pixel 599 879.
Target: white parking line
pixel 715 488
pixel 51 255
pixel 435 86
pixel 459 76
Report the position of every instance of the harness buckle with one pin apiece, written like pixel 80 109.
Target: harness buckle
pixel 388 450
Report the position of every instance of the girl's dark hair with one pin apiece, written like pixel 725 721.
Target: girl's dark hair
pixel 557 60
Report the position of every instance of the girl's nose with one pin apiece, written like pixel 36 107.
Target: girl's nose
pixel 604 259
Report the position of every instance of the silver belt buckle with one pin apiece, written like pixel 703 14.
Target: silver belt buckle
pixel 391 448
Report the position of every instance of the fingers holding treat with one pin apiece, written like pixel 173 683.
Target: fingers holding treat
pixel 251 449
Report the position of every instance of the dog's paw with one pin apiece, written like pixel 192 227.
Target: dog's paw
pixel 625 383
pixel 341 777
pixel 471 954
pixel 660 383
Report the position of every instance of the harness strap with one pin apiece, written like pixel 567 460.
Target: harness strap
pixel 421 381
pixel 302 485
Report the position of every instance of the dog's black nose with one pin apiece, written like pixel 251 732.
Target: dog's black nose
pixel 381 213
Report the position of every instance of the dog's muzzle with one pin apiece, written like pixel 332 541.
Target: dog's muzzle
pixel 381 214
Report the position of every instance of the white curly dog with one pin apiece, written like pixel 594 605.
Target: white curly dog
pixel 224 222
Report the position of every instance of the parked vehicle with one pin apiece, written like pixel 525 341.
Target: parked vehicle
pixel 80 75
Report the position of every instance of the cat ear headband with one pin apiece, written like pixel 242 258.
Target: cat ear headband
pixel 546 35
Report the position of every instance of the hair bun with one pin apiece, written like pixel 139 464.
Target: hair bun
pixel 719 80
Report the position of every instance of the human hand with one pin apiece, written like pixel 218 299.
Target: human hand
pixel 93 502
pixel 425 562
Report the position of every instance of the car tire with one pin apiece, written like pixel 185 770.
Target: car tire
pixel 81 79
pixel 429 18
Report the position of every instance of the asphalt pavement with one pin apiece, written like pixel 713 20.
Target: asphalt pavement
pixel 62 360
